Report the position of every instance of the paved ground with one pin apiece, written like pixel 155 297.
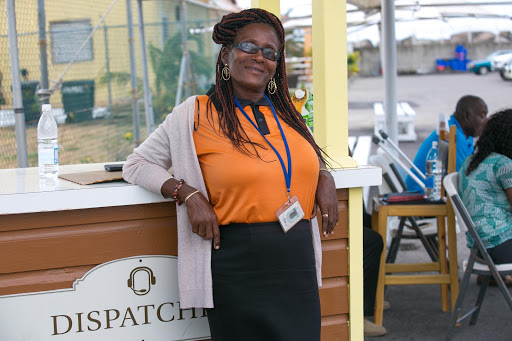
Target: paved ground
pixel 415 312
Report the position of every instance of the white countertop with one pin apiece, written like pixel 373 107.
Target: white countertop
pixel 361 176
pixel 22 192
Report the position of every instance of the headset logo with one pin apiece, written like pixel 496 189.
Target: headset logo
pixel 141 279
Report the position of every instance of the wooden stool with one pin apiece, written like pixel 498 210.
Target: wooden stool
pixel 446 278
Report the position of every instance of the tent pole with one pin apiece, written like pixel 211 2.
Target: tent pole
pixel 389 69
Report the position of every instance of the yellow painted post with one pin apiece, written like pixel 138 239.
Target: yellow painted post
pixel 330 80
pixel 273 6
pixel 355 263
pixel 331 132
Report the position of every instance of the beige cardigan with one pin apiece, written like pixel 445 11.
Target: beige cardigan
pixel 172 144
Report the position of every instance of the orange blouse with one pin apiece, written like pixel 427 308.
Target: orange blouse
pixel 247 188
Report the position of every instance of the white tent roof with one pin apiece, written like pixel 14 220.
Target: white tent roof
pixel 423 20
pixel 430 29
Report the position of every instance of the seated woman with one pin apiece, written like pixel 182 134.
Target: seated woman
pixel 485 184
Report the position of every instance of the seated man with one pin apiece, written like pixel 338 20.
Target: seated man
pixel 469 117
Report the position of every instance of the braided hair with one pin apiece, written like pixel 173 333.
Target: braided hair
pixel 224 33
pixel 496 137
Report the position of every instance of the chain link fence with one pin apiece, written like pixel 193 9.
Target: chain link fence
pixel 93 106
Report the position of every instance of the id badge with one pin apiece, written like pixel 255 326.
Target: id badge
pixel 290 214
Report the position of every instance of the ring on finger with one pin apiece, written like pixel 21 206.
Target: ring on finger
pixel 325 215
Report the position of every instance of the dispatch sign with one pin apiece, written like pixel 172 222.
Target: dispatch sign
pixel 133 298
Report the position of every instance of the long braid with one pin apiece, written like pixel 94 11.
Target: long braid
pixel 496 137
pixel 224 33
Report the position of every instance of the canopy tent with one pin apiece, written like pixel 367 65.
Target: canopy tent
pixel 423 21
pixel 429 22
pixel 430 7
pixel 430 28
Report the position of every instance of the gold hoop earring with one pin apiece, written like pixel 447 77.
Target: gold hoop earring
pixel 226 75
pixel 272 86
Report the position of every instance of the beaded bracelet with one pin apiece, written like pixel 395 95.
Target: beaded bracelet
pixel 176 189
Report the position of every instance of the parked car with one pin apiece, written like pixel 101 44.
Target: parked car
pixel 499 61
pixel 506 73
pixel 484 66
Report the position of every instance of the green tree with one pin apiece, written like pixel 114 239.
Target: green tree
pixel 353 63
pixel 166 67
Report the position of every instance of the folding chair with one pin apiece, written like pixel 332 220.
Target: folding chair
pixel 408 227
pixel 475 265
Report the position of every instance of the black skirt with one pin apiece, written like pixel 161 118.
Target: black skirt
pixel 264 284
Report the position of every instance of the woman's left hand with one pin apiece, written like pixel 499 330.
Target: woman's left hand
pixel 327 202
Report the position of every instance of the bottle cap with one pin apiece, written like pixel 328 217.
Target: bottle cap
pixel 434 143
pixel 442 124
pixel 300 93
pixel 47 107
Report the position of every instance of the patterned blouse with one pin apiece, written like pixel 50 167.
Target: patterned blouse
pixel 483 194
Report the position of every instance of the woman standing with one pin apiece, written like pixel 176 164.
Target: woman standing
pixel 485 182
pixel 247 175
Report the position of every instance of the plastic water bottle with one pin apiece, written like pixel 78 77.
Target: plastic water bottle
pixel 434 174
pixel 303 101
pixel 48 148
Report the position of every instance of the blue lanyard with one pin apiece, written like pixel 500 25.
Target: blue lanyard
pixel 287 174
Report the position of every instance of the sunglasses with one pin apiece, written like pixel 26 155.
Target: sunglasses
pixel 251 48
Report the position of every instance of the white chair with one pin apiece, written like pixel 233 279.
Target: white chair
pixel 391 184
pixel 406 117
pixel 404 227
pixel 475 265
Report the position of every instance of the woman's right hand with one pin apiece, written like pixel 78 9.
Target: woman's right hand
pixel 200 211
pixel 203 218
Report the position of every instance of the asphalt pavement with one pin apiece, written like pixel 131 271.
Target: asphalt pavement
pixel 415 312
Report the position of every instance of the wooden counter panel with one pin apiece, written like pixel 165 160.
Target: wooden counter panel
pixel 335 328
pixel 334 258
pixel 16 222
pixel 342 194
pixel 334 296
pixel 342 228
pixel 48 251
pixel 334 292
pixel 41 280
pixel 340 231
pixel 59 247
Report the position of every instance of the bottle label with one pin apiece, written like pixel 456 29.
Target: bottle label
pixel 309 107
pixel 56 155
pixel 48 156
